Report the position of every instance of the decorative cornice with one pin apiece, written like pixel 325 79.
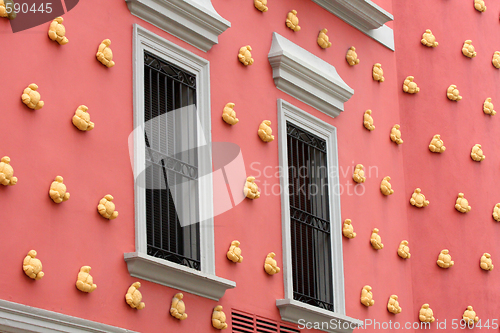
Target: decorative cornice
pixel 293 311
pixel 176 276
pixel 194 21
pixel 365 16
pixel 306 77
pixel 19 318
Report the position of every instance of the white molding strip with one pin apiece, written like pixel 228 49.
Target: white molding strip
pixel 194 21
pixel 306 77
pixel 19 318
pixel 364 15
pixel 301 313
pixel 175 276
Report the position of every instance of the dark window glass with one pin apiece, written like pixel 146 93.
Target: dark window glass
pixel 168 131
pixel 309 218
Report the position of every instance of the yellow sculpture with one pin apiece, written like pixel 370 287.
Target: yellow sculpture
pixel 260 5
pixel 348 229
pixel 477 153
pixel 219 318
pixel 488 107
pixel 409 86
pixel 251 190
pixel 393 305
pixel 444 259
pixel 367 296
pixel 245 56
pixel 57 190
pixel 57 31
pixel 425 314
pixel 81 119
pixel 453 94
pixel 104 54
pixel 323 39
pixel 462 205
pixel 85 281
pixel 352 56
pixel 468 50
pixel 378 73
pixel 496 212
pixel 270 265
pixel 4 12
pixel 404 250
pixel 265 131
pixel 469 316
pixel 31 97
pixel 368 120
pixel 418 199
pixel 133 297
pixel 496 59
pixel 375 240
pixel 479 5
pixel 385 186
pixel 396 134
pixel 32 266
pixel 7 172
pixel 428 39
pixel 234 253
pixel 178 308
pixel 437 144
pixel 107 208
pixel 359 174
pixel 486 262
pixel 229 115
pixel 292 21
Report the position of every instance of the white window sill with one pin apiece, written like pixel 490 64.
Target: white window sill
pixel 172 275
pixel 194 21
pixel 293 311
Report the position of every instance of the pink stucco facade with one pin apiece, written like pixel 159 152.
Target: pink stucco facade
pixel 43 144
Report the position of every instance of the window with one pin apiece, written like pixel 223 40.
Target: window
pixel 312 230
pixel 174 242
pixel 170 129
pixel 243 322
pixel 309 217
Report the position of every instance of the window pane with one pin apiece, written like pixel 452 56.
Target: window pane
pixel 309 218
pixel 171 173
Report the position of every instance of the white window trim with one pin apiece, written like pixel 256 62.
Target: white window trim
pixel 306 77
pixel 290 309
pixel 19 318
pixel 194 21
pixel 203 283
pixel 364 15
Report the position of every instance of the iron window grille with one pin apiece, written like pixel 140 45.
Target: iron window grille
pixel 168 88
pixel 309 218
pixel 243 322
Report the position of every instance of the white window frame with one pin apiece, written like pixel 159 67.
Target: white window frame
pixel 290 309
pixel 203 283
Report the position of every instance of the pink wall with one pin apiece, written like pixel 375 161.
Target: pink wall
pixel 442 176
pixel 93 164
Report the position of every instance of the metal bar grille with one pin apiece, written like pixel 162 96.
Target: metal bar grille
pixel 309 218
pixel 244 322
pixel 167 134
